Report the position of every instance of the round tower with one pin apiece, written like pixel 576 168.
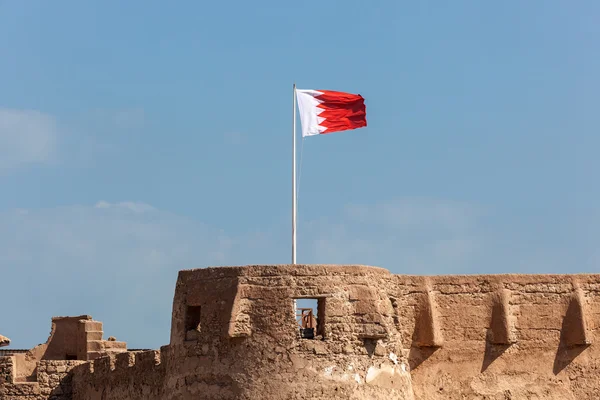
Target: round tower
pixel 286 332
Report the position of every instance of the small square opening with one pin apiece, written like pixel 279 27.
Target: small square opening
pixel 70 357
pixel 192 319
pixel 310 317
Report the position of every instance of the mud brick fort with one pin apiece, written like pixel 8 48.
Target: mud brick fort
pixel 241 333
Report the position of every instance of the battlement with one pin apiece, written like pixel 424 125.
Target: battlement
pixel 120 362
pixel 128 375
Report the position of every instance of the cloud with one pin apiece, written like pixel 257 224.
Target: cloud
pixel 115 261
pixel 26 137
pixel 29 137
pixel 130 118
pixel 407 235
pixel 127 205
pixel 417 213
pixel 118 261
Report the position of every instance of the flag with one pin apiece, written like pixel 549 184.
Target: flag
pixel 326 111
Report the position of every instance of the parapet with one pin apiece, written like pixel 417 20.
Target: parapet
pixel 131 375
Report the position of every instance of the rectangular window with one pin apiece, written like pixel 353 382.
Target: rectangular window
pixel 310 316
pixel 192 322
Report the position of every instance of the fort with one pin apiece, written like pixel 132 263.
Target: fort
pixel 243 333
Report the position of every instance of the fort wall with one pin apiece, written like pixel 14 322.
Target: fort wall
pixel 247 344
pixel 505 336
pixel 53 380
pixel 235 335
pixel 125 376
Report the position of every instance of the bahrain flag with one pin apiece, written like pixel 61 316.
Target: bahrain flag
pixel 326 111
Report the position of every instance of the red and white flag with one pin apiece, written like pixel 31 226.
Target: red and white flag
pixel 326 111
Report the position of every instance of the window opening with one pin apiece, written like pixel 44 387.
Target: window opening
pixel 71 357
pixel 310 317
pixel 192 322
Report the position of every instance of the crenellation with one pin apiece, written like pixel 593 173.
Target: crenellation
pixel 124 360
pixel 104 365
pixel 148 358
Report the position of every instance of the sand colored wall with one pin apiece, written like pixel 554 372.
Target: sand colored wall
pixel 492 337
pixel 54 381
pixel 71 338
pixel 505 337
pixel 385 337
pixel 248 345
pixel 125 376
pixel 65 338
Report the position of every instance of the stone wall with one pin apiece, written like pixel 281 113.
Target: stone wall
pixel 492 337
pixel 126 376
pixel 54 381
pixel 248 345
pixel 381 336
pixel 503 337
pixel 71 338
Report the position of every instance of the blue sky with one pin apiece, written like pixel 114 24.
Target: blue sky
pixel 138 139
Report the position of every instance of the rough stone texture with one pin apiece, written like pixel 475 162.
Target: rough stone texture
pixel 71 338
pixel 53 381
pixel 382 336
pixel 501 332
pixel 359 356
pixel 427 330
pixel 4 341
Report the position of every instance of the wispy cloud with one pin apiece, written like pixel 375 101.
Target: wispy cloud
pixel 409 235
pixel 136 207
pixel 29 137
pixel 118 261
pixel 121 120
pixel 130 118
pixel 26 137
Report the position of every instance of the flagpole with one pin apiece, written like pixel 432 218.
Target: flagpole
pixel 294 178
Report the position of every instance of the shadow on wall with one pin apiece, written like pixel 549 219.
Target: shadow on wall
pixel 492 352
pixel 427 337
pixel 573 335
pixel 417 355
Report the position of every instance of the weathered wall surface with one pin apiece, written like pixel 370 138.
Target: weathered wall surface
pixel 71 338
pixel 248 345
pixel 382 336
pixel 505 337
pixel 475 337
pixel 245 344
pixel 54 381
pixel 126 376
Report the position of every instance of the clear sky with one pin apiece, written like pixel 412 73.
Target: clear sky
pixel 139 138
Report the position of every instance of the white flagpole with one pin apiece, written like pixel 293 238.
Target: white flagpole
pixel 294 180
